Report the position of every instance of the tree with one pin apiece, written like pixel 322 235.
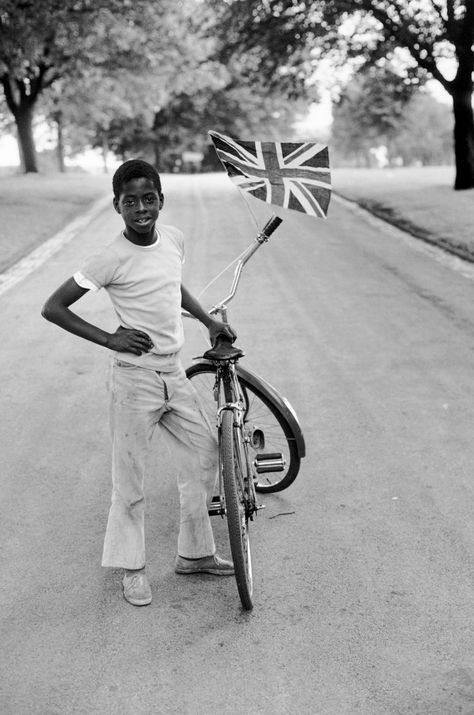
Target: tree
pixel 93 108
pixel 168 110
pixel 425 132
pixel 44 41
pixel 370 112
pixel 289 36
pixel 183 122
pixel 100 105
pixel 418 129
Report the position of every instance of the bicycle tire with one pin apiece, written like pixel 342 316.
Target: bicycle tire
pixel 260 413
pixel 237 519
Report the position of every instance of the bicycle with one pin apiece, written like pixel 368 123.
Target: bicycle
pixel 260 440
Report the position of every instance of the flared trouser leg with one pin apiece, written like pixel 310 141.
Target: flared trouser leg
pixel 133 415
pixel 140 400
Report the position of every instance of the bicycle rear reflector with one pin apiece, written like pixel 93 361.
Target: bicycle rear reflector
pixel 271 462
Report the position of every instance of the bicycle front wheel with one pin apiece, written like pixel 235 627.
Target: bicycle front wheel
pixel 268 431
pixel 235 500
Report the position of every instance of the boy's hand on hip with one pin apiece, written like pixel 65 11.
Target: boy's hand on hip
pixel 126 340
pixel 217 327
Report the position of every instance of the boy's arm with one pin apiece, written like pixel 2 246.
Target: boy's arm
pixel 215 327
pixel 56 309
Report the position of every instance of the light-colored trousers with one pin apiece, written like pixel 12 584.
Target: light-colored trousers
pixel 140 399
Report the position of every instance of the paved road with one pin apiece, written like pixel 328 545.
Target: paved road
pixel 364 592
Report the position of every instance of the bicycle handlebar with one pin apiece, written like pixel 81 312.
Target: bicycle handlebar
pixel 270 226
pixel 262 237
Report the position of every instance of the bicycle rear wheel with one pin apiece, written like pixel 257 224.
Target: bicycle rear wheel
pixel 235 500
pixel 270 435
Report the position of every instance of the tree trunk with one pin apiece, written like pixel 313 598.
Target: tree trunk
pixel 58 116
pixel 24 123
pixel 105 151
pixel 463 138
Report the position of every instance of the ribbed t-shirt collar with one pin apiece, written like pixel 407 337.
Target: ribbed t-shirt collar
pixel 145 248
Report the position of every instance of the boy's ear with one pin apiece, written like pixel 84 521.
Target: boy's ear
pixel 162 201
pixel 116 205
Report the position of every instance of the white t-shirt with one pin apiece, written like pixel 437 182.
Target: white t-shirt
pixel 144 285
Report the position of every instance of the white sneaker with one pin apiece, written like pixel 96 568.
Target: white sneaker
pixel 136 588
pixel 209 564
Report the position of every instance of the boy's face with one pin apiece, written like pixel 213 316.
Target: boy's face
pixel 139 205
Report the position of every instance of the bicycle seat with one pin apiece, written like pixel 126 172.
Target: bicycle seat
pixel 223 350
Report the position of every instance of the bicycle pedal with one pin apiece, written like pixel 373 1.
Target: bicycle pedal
pixel 216 510
pixel 269 462
pixel 215 507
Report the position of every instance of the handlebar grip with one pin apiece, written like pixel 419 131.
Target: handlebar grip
pixel 271 225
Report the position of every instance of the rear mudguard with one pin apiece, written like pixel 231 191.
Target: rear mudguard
pixel 274 396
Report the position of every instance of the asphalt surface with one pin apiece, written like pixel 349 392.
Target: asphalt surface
pixel 363 568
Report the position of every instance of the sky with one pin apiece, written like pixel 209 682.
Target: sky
pixel 8 151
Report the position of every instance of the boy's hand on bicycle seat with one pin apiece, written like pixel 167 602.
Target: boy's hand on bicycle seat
pixel 217 327
pixel 127 340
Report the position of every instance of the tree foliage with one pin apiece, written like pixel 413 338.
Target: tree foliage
pixel 168 108
pixel 376 110
pixel 425 132
pixel 182 124
pixel 369 112
pixel 46 42
pixel 132 77
pixel 141 77
pixel 289 36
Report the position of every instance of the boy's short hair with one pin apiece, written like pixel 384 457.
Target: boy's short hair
pixel 135 169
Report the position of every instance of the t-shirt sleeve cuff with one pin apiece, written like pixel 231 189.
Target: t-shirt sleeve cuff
pixel 84 282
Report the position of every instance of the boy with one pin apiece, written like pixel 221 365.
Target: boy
pixel 141 271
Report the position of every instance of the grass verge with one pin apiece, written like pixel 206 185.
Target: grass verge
pixel 418 200
pixel 33 207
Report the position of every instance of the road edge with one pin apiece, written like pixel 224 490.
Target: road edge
pixel 385 213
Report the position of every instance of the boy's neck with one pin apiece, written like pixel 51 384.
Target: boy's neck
pixel 140 239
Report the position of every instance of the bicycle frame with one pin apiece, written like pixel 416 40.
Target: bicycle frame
pixel 262 238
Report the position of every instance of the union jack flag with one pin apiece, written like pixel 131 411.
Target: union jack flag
pixel 295 176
